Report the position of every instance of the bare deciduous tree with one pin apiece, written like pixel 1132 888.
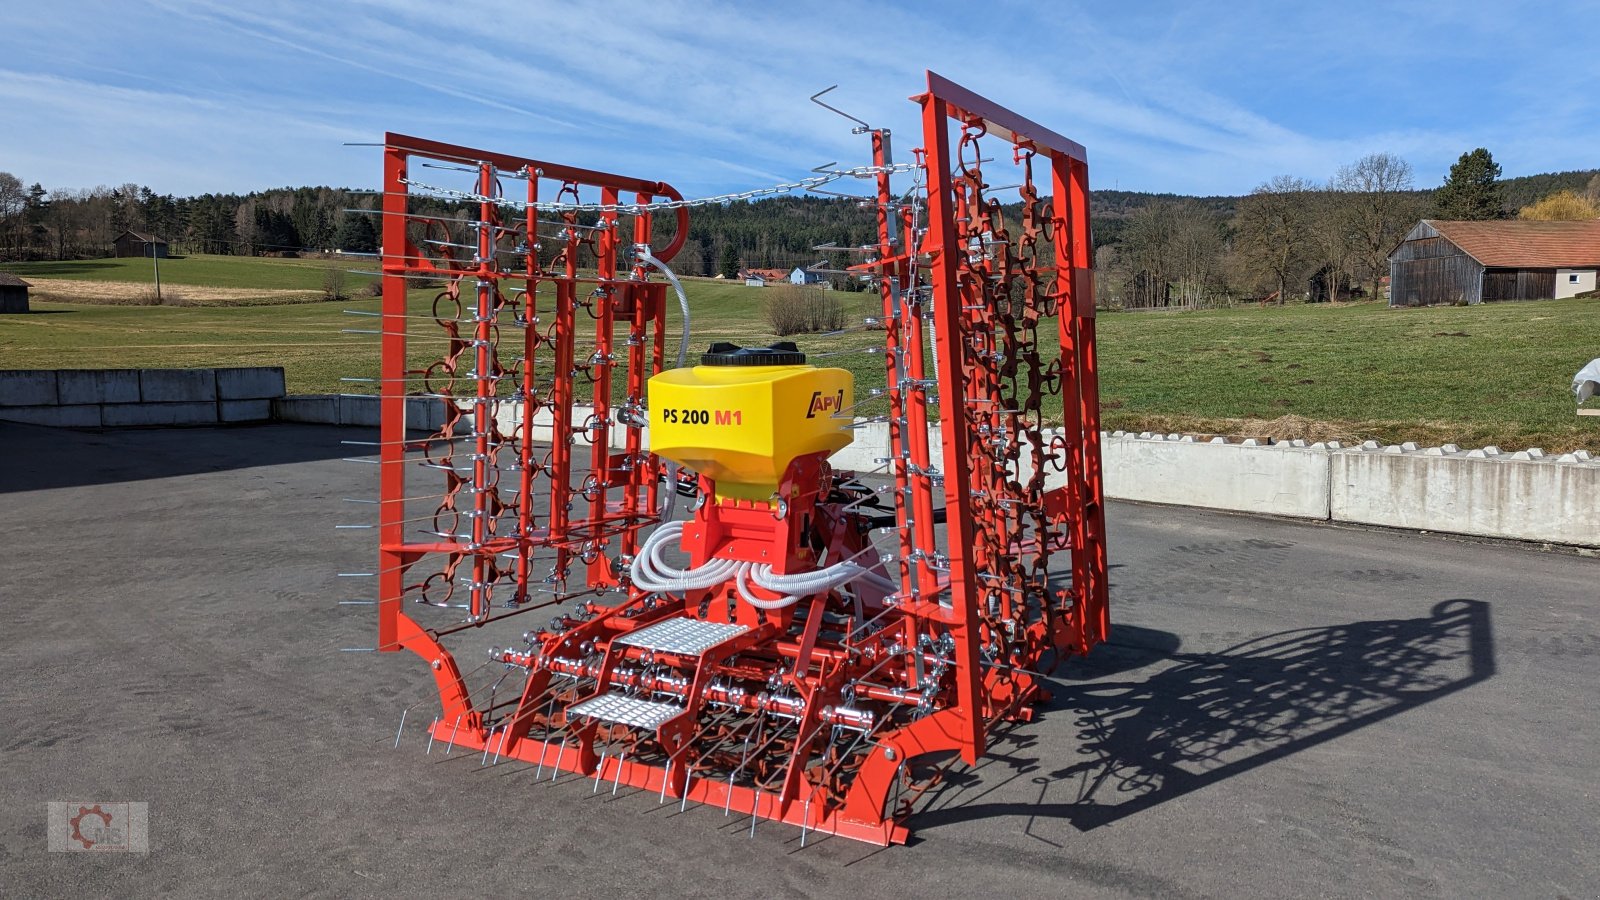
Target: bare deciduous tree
pixel 1274 224
pixel 1379 208
pixel 13 203
pixel 1171 250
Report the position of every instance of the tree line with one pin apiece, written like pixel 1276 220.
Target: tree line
pixel 1295 239
pixel 77 223
pixel 1290 238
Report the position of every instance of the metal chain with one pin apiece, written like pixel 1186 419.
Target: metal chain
pixel 635 208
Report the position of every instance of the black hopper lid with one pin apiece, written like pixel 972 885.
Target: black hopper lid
pixel 782 353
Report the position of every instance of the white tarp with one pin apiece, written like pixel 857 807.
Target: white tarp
pixel 1586 383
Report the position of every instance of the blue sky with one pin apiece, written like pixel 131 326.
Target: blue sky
pixel 1184 97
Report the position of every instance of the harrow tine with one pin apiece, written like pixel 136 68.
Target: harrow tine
pixel 452 745
pixel 402 727
pixel 431 736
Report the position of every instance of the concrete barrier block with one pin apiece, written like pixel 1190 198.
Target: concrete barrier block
pixel 78 386
pixel 126 415
pixel 358 411
pixel 429 413
pixel 83 416
pixel 23 387
pixel 253 383
pixel 311 408
pixel 244 410
pixel 177 385
pixel 1480 495
pixel 1278 481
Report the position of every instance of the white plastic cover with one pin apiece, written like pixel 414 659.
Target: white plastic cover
pixel 1586 383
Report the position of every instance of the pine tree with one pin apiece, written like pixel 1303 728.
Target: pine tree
pixel 356 234
pixel 729 265
pixel 1471 192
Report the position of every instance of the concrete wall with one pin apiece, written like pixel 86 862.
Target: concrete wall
pixel 1528 495
pixel 422 413
pixel 111 398
pixel 1567 287
pixel 1278 479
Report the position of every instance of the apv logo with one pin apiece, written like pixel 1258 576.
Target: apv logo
pixel 820 404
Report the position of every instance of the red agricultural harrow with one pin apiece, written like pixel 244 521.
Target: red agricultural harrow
pixel 793 668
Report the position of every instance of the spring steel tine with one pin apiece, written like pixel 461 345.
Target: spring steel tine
pixel 600 768
pixel 615 782
pixel 487 740
pixel 431 736
pixel 543 745
pixel 452 745
pixel 402 727
pixel 755 808
pixel 864 126
pixel 805 820
pixel 471 223
pixel 664 779
pixel 555 768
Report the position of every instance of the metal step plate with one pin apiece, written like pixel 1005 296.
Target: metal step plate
pixel 624 710
pixel 681 635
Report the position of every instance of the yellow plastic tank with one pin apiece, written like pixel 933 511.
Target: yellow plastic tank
pixel 744 413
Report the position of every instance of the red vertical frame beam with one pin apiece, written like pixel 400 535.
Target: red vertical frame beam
pixel 598 428
pixel 529 390
pixel 1073 397
pixel 1095 594
pixel 908 406
pixel 484 404
pixel 561 385
pixel 639 318
pixel 392 403
pixel 890 284
pixel 947 304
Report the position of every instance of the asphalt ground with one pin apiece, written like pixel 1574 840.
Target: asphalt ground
pixel 1284 709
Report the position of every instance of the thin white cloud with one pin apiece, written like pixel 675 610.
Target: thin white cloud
pixel 711 95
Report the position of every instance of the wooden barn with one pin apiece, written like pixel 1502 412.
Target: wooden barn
pixel 1442 262
pixel 133 243
pixel 13 294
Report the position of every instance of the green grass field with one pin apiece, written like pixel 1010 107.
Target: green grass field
pixel 1473 375
pixel 203 270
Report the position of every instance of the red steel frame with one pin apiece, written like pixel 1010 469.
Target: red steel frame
pixel 837 722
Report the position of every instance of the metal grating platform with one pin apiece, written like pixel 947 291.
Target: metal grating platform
pixel 682 635
pixel 624 710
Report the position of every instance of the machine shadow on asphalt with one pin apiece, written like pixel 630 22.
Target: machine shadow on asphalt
pixel 51 458
pixel 1154 723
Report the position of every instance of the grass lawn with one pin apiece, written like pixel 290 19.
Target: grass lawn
pixel 1496 373
pixel 197 279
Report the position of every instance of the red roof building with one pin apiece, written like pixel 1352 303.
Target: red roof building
pixel 1444 262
